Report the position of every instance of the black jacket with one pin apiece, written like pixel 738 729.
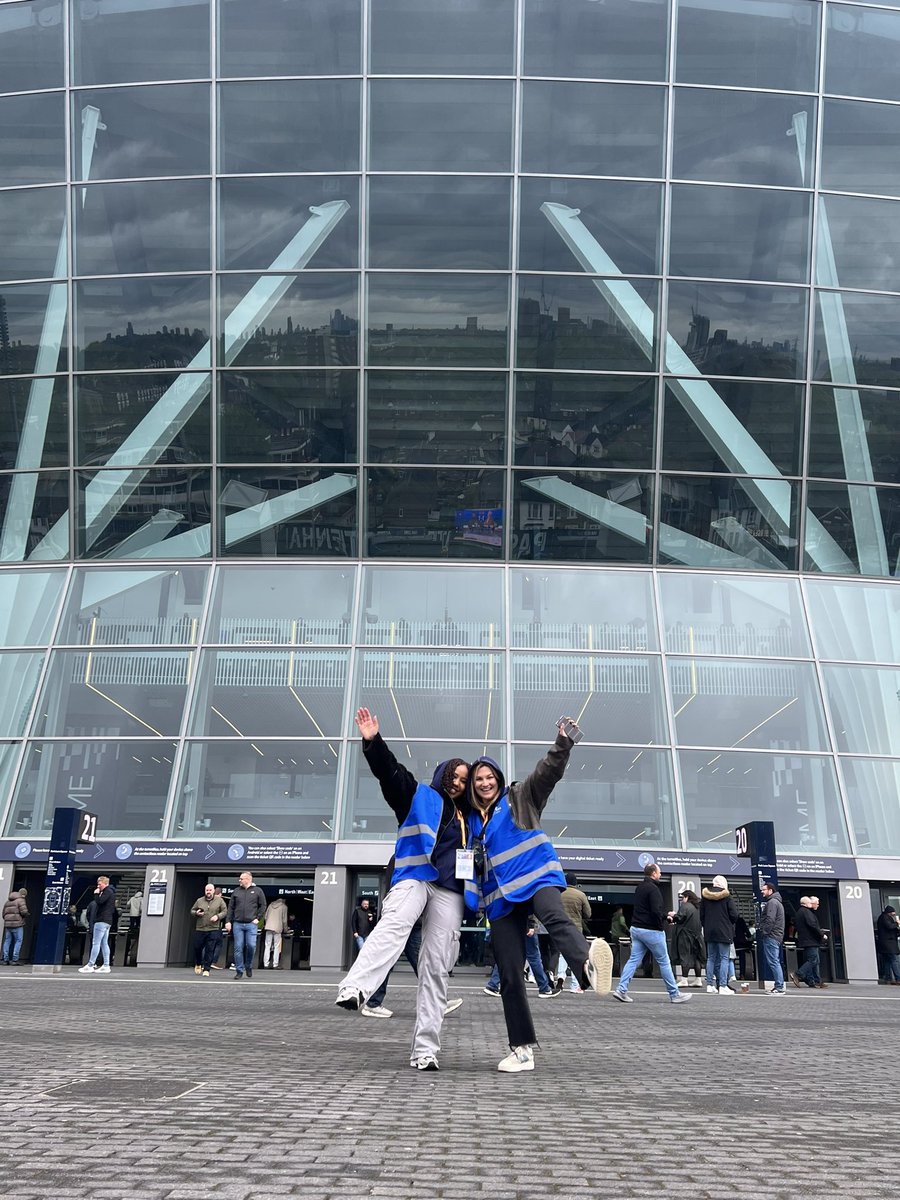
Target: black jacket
pixel 718 913
pixel 806 924
pixel 887 932
pixel 246 905
pixel 688 935
pixel 106 906
pixel 362 921
pixel 771 921
pixel 649 910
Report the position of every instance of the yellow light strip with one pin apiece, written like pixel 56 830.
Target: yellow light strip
pixel 397 711
pixel 686 703
pixel 318 728
pixel 770 717
pixel 230 724
pixel 123 709
pixel 90 657
pixel 257 749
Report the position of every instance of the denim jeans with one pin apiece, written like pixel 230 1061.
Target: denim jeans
pixel 809 972
pixel 891 966
pixel 654 942
pixel 12 944
pixel 244 944
pixel 718 964
pixel 100 943
pixel 533 958
pixel 771 956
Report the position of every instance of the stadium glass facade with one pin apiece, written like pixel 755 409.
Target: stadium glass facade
pixel 474 360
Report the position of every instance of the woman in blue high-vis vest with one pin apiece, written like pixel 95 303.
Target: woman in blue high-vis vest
pixel 520 874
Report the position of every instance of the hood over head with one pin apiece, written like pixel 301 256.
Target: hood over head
pixel 715 893
pixel 484 761
pixel 443 774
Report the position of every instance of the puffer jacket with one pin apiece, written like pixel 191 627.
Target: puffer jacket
pixel 771 921
pixel 718 913
pixel 15 910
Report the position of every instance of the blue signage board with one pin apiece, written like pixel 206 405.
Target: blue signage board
pixel 50 942
pixel 108 852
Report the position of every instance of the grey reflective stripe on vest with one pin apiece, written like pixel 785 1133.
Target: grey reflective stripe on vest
pixel 414 860
pixel 411 830
pixel 518 882
pixel 529 844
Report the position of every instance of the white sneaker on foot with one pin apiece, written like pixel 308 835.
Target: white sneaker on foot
pixel 87 969
pixel 521 1059
pixel 623 996
pixel 427 1062
pixel 599 966
pixel 682 983
pixel 378 1011
pixel 725 991
pixel 713 991
pixel 453 1006
pixel 103 970
pixel 350 998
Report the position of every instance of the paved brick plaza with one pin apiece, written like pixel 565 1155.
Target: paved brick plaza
pixel 757 1097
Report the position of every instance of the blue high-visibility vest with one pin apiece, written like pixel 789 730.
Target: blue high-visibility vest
pixel 518 862
pixel 416 839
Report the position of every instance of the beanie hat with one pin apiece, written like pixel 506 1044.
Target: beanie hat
pixel 720 882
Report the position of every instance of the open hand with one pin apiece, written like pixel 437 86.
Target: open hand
pixel 366 723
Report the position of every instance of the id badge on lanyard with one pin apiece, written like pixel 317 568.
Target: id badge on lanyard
pixel 465 864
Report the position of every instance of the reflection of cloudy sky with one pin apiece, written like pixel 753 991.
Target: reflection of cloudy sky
pixel 258 217
pixel 865 237
pixel 136 227
pixel 149 131
pixel 31 223
pixel 108 306
pixel 443 125
pixel 748 312
pixel 438 301
pixel 32 138
pixel 309 302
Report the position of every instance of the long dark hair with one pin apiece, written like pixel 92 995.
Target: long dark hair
pixel 692 898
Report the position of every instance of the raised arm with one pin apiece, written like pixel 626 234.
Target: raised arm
pixel 398 785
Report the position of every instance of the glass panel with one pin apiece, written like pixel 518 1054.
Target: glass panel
pixel 124 783
pixel 859 245
pixel 436 417
pixel 431 37
pixel 32 234
pixel 571 420
pixel 264 606
pixel 288 416
pixel 852 529
pixel 28 604
pixel 740 233
pixel 18 683
pixel 444 320
pixel 798 793
pixel 857 339
pixel 421 694
pixel 143 514
pixel 614 698
pixel 133 324
pixel 158 39
pixel 861 52
pixel 302 37
pixel 432 606
pixel 586 324
pixel 159 418
pixel 592 129
pixel 32 138
pixel 365 813
pixel 713 614
pixel 440 125
pixel 458 224
pixel 125 228
pixel 855 620
pixel 134 607
pixel 31 46
pixel 114 693
pixel 260 693
pixel 20 402
pixel 720 521
pixel 146 131
pixel 243 789
pixel 9 757
pixel 858 143
pixel 321 135
pixel 739 330
pixel 288 320
pixel 272 512
pixel 624 218
pixel 31 504
pixel 259 218
pixel 435 514
pixel 863 706
pixel 764 420
pixel 33 321
pixel 872 788
pixel 742 43
pixel 618 40
pixel 746 142
pixel 855 433
pixel 582 516
pixel 569 610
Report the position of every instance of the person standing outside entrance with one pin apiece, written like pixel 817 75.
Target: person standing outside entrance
pixel 648 923
pixel 718 915
pixel 362 922
pixel 276 927
pixel 104 918
pixel 887 939
pixel 246 906
pixel 810 940
pixel 770 935
pixel 15 912
pixel 209 911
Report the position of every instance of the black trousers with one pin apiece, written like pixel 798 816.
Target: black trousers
pixel 508 940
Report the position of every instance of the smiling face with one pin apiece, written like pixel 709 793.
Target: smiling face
pixel 485 785
pixel 458 781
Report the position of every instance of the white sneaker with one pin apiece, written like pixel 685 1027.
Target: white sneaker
pixel 197 970
pixel 599 966
pixel 103 970
pixel 378 1011
pixel 427 1062
pixel 350 998
pixel 521 1059
pixel 695 983
pixel 713 991
pixel 453 1006
pixel 87 969
pixel 725 991
pixel 682 983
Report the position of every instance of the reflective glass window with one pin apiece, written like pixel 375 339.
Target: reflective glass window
pixel 31 45
pixel 740 233
pixel 563 609
pixel 431 37
pixel 297 37
pixel 18 683
pixel 288 416
pixel 580 38
pixel 160 417
pixel 307 320
pixel 857 339
pixel 440 125
pixel 281 605
pixel 731 424
pixel 717 614
pixel 855 620
pixel 133 228
pixel 435 513
pixel 720 521
pixel 852 530
pixel 742 43
pixel 289 125
pixel 436 417
pixel 737 330
pixel 582 324
pixel 419 221
pixel 578 420
pixel 136 132
pixel 28 604
pixel 872 787
pixel 854 434
pixel 122 607
pixel 135 324
pixel 32 138
pixel 35 508
pixel 124 782
pixel 797 792
pixel 143 513
pixel 32 233
pixel 441 320
pixel 21 402
pixel 859 243
pixel 434 606
pixel 271 512
pixel 259 218
pixel 863 705
pixel 622 218
pixel 582 516
pixel 747 142
pixel 35 316
pixel 9 758
pixel 592 129
pixel 158 39
pixel 858 142
pixel 861 52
